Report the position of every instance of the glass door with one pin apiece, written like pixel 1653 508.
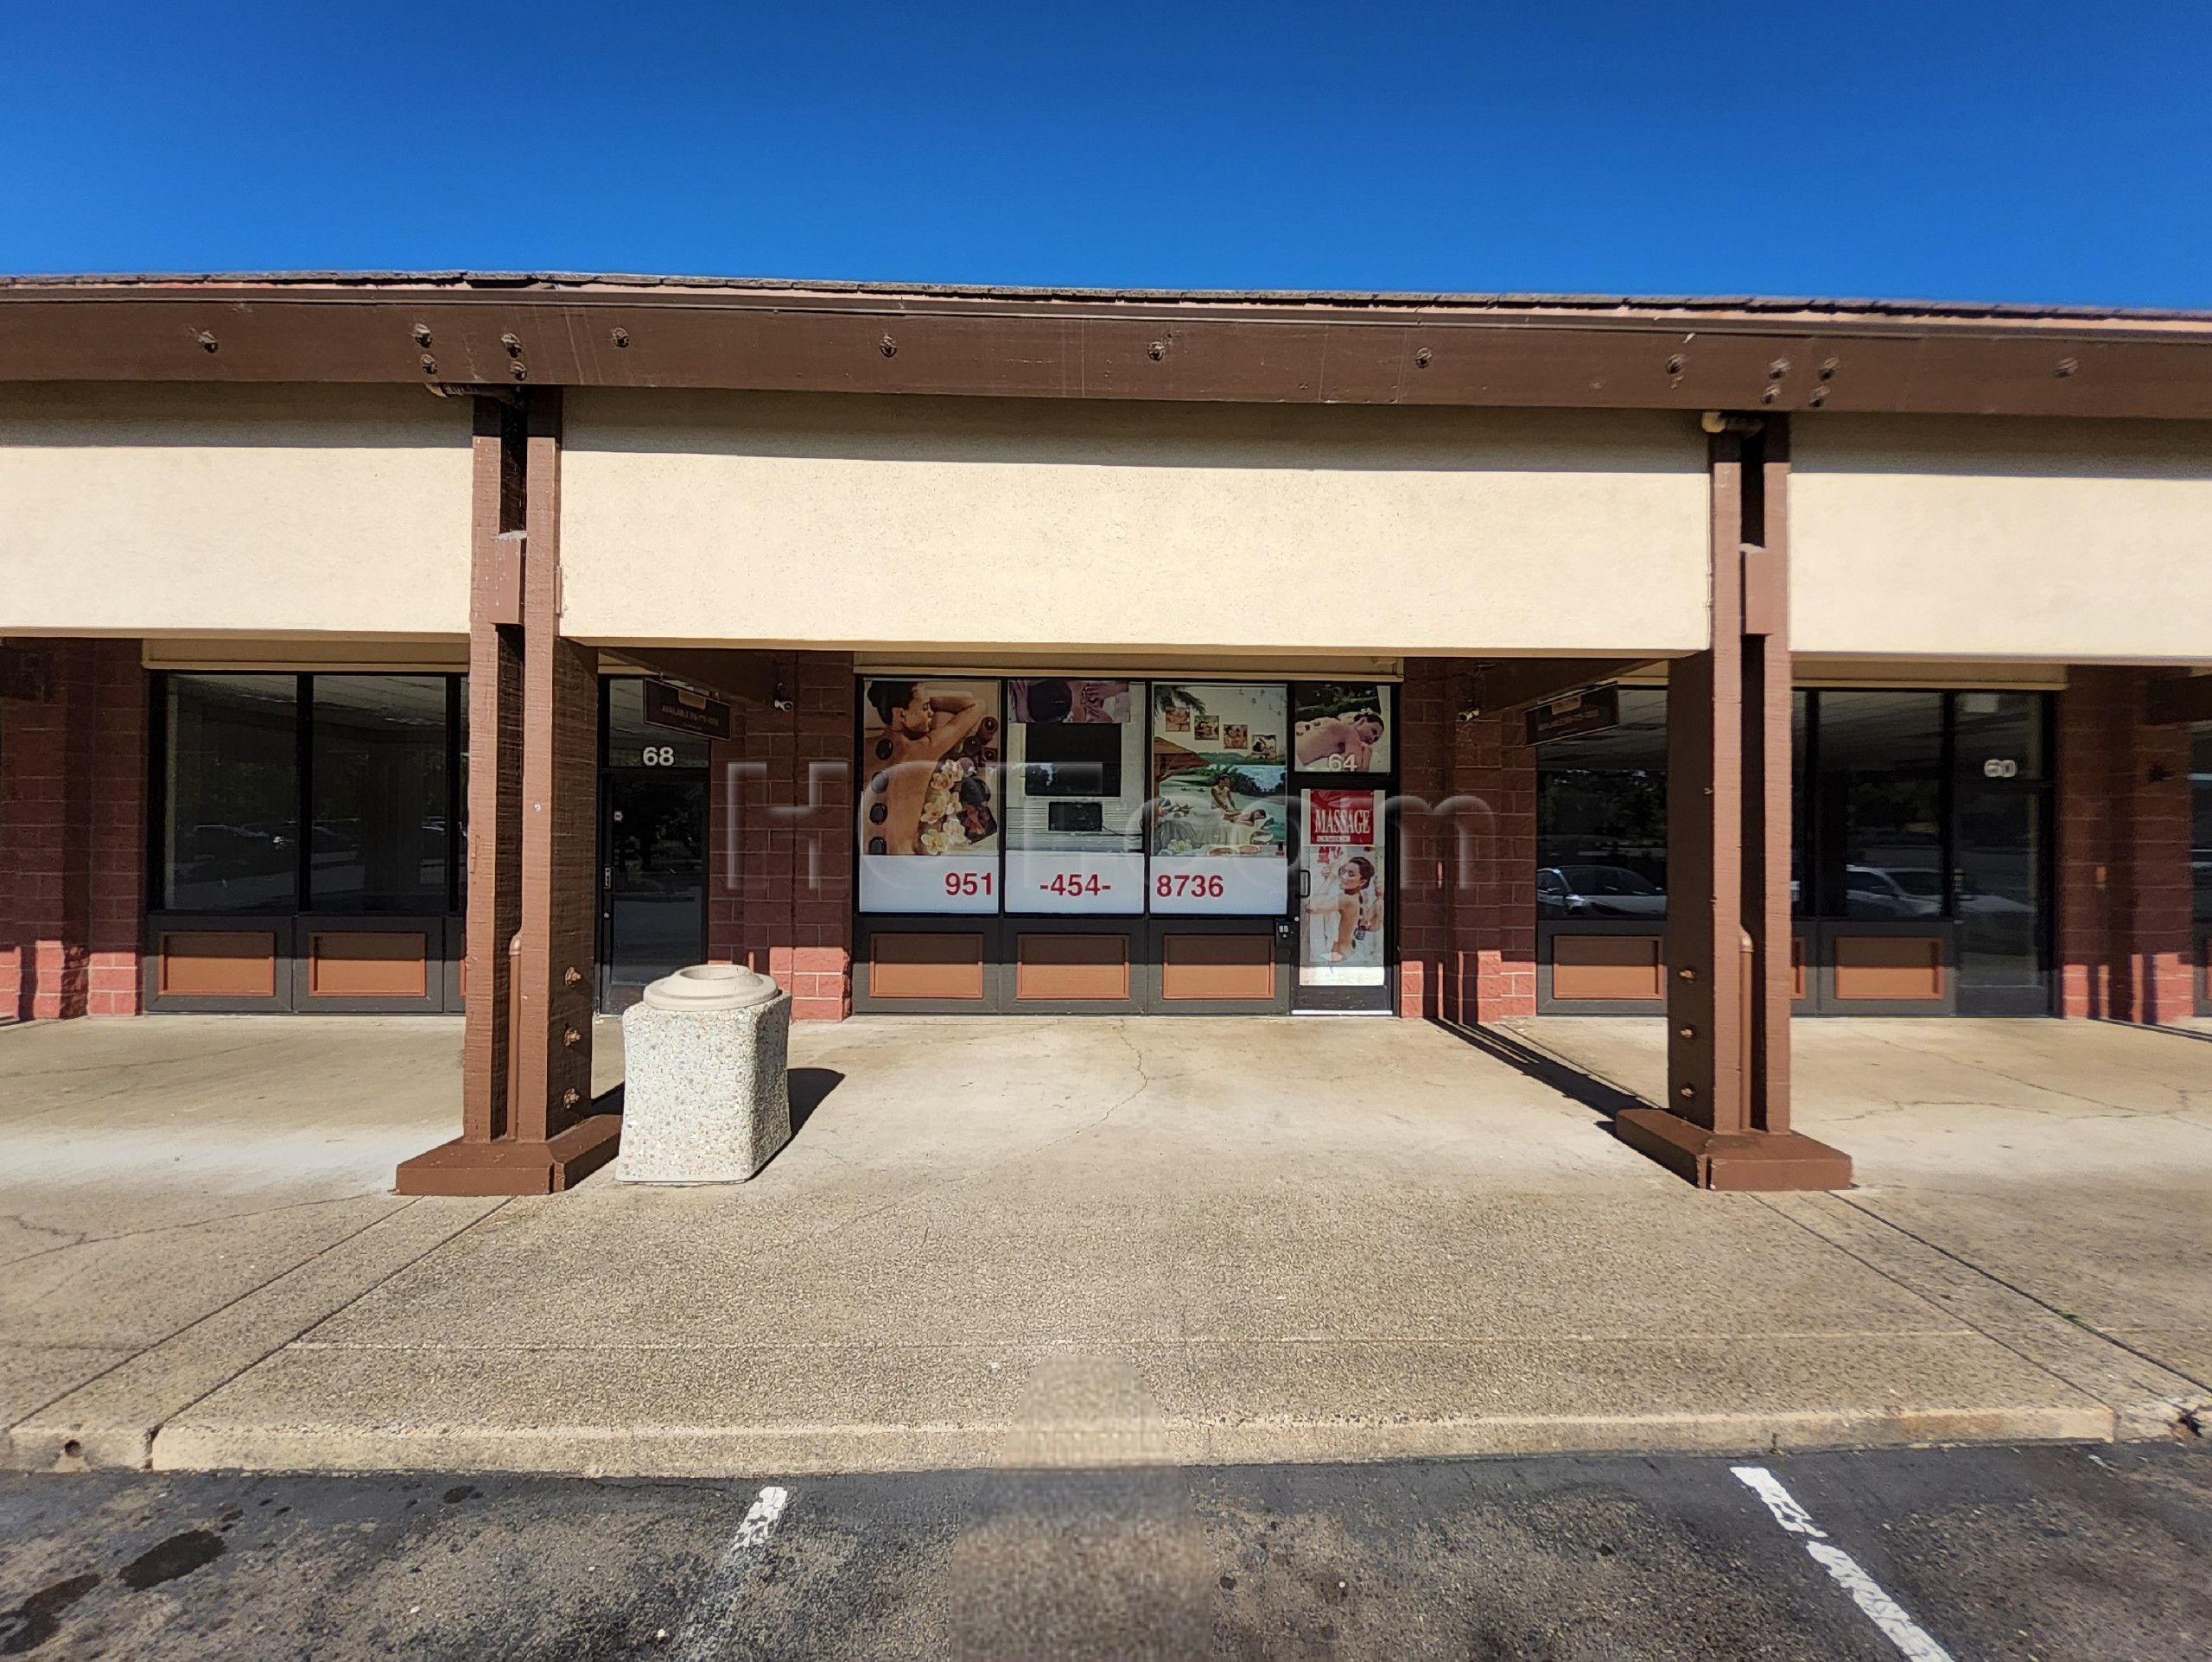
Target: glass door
pixel 1342 762
pixel 653 895
pixel 2000 819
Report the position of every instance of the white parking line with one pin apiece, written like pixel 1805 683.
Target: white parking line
pixel 708 1625
pixel 1880 1608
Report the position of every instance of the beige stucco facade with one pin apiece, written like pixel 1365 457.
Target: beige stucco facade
pixel 152 509
pixel 879 522
pixel 214 516
pixel 1976 536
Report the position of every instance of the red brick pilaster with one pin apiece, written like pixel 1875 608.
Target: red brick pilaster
pixel 73 837
pixel 2124 895
pixel 1467 839
pixel 1424 840
pixel 780 897
pixel 1494 905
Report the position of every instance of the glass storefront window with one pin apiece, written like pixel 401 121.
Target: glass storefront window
pixel 1910 808
pixel 1800 818
pixel 1878 804
pixel 2200 842
pixel 929 811
pixel 230 836
pixel 236 832
pixel 380 826
pixel 1601 816
pixel 1220 826
pixel 1074 794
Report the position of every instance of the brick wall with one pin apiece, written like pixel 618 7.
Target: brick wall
pixel 1467 865
pixel 73 814
pixel 2123 898
pixel 780 895
pixel 1494 906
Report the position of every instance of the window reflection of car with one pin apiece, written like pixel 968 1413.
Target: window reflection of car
pixel 1597 892
pixel 1974 903
pixel 1893 892
pixel 334 842
pixel 221 852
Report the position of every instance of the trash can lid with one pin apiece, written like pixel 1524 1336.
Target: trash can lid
pixel 710 986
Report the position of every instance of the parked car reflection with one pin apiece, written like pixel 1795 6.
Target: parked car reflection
pixel 1893 892
pixel 1597 892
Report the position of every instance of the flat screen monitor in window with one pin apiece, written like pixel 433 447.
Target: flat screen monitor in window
pixel 1071 759
pixel 1087 818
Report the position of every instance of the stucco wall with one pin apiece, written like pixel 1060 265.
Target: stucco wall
pixel 863 522
pixel 1965 536
pixel 151 509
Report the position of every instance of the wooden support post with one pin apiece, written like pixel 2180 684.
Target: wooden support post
pixel 527 1124
pixel 560 824
pixel 494 888
pixel 1725 1123
pixel 1705 812
pixel 1769 736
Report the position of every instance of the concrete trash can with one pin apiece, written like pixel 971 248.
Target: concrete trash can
pixel 706 1096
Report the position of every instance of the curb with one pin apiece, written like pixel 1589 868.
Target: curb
pixel 719 1451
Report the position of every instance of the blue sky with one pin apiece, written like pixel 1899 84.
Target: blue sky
pixel 2028 152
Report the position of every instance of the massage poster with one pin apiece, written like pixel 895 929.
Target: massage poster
pixel 1341 727
pixel 1341 944
pixel 1220 824
pixel 1074 791
pixel 929 801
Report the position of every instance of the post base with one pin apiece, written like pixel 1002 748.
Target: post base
pixel 505 1167
pixel 1733 1160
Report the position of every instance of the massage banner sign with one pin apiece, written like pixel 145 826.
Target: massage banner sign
pixel 1341 818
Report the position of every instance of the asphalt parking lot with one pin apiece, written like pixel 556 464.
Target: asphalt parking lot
pixel 2045 1553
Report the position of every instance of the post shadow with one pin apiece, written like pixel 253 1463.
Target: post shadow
pixel 1604 1100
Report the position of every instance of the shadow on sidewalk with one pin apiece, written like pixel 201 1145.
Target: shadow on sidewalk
pixel 1601 1097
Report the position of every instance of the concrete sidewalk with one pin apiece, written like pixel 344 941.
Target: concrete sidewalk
pixel 991 1244
pixel 2070 1160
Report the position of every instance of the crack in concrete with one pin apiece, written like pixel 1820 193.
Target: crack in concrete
pixel 65 1239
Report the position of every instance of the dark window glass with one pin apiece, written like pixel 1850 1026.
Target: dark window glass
pixel 2000 735
pixel 379 832
pixel 2200 845
pixel 460 797
pixel 633 742
pixel 1800 815
pixel 655 849
pixel 1878 804
pixel 230 836
pixel 1601 816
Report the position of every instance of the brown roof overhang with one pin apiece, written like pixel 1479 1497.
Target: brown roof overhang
pixel 1573 352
